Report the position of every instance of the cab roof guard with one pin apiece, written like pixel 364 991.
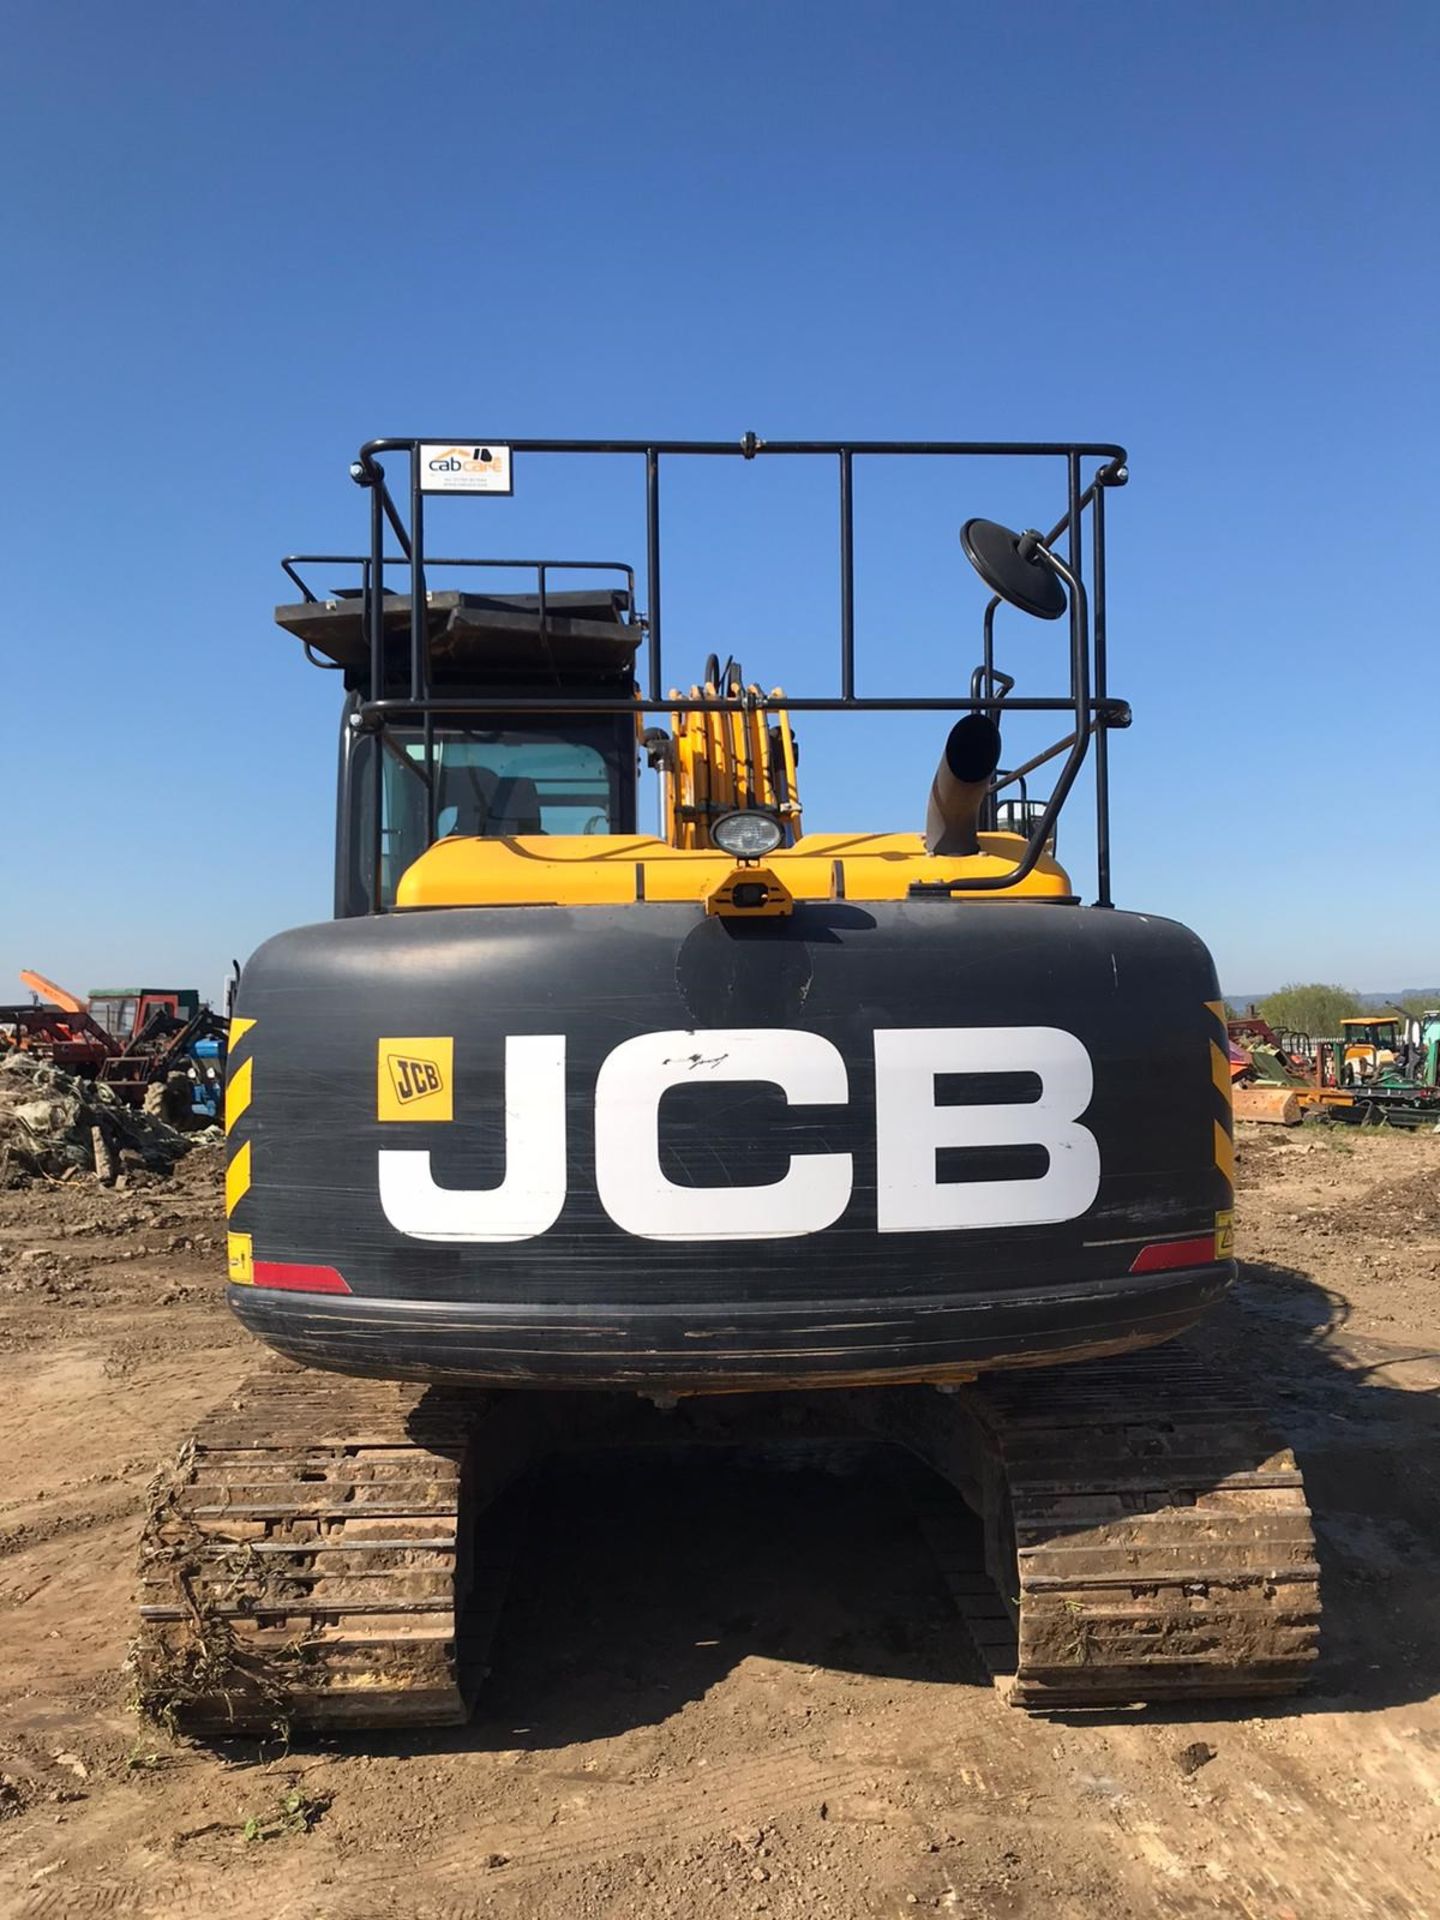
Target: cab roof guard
pixel 1092 709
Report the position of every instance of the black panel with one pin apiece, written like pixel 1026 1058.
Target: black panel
pixel 1131 989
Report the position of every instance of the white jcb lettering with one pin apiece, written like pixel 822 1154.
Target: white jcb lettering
pixel 529 1198
pixel 910 1129
pixel 632 1184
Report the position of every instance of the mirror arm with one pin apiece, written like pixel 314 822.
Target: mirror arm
pixel 985 682
pixel 1034 763
pixel 1079 740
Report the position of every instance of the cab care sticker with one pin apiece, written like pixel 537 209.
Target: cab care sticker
pixel 476 467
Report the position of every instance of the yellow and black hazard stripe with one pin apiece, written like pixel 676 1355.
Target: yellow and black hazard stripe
pixel 1224 1126
pixel 243 1269
pixel 239 1091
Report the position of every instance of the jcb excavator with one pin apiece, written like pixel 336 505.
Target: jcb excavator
pixel 561 1129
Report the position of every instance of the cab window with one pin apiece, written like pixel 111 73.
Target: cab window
pixel 506 783
pixel 491 782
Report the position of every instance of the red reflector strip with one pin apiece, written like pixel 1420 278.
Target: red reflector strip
pixel 280 1273
pixel 1152 1259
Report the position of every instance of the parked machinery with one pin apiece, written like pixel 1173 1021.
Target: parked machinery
pixel 159 1048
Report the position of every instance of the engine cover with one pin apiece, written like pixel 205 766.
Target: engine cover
pixel 639 1144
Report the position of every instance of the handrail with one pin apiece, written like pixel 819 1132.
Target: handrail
pixel 1093 712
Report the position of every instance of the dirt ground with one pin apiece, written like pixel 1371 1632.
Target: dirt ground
pixel 723 1688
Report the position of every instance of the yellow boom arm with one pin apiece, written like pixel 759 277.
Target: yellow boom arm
pixel 721 761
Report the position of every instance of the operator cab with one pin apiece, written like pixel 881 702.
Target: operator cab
pixel 496 776
pixel 1369 1044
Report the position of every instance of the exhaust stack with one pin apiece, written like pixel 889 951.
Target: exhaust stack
pixel 962 780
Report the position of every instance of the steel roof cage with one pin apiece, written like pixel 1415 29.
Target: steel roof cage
pixel 1090 469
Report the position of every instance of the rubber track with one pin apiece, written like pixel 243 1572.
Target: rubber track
pixel 306 1565
pixel 1162 1544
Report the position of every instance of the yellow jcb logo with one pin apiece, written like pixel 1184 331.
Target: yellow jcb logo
pixel 413 1079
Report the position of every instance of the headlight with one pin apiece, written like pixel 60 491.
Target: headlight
pixel 747 834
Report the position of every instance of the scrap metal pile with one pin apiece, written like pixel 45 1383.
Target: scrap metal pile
pixel 56 1126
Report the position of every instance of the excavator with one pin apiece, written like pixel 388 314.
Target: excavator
pixel 563 1133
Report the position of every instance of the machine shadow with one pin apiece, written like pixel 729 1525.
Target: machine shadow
pixel 1363 1416
pixel 649 1575
pixel 644 1574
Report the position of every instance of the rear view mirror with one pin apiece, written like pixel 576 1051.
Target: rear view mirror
pixel 1010 565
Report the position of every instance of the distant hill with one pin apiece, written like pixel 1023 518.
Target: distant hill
pixel 1369 1001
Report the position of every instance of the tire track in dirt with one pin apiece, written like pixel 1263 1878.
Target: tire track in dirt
pixel 786 1783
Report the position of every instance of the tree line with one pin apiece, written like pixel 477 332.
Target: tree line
pixel 1318 1009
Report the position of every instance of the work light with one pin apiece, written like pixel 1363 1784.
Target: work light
pixel 747 834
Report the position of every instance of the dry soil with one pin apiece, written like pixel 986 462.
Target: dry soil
pixel 724 1688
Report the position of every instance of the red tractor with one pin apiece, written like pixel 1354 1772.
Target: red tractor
pixel 143 1043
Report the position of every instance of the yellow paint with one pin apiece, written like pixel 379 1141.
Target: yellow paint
pixel 778 900
pixel 238 1030
pixel 1225 1236
pixel 591 870
pixel 1225 1154
pixel 788 766
pixel 1220 1072
pixel 240 1259
pixel 415 1079
pixel 238 1092
pixel 237 1178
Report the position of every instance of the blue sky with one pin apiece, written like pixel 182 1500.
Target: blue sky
pixel 241 240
